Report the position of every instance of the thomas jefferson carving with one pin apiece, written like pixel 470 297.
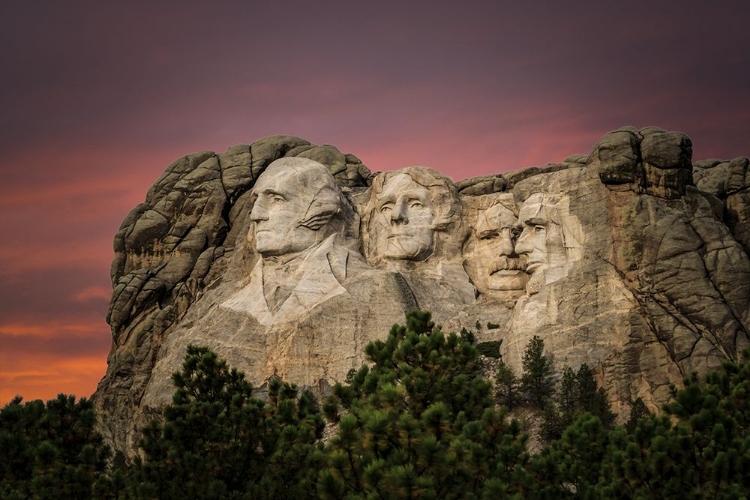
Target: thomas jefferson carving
pixel 412 225
pixel 413 215
pixel 299 227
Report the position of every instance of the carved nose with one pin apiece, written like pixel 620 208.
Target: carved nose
pixel 258 213
pixel 506 245
pixel 523 244
pixel 398 215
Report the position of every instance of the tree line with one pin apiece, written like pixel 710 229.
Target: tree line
pixel 419 421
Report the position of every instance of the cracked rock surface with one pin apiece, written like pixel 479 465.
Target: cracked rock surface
pixel 646 275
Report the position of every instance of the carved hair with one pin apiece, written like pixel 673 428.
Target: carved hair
pixel 555 209
pixel 504 200
pixel 443 193
pixel 328 210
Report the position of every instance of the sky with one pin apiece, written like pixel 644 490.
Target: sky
pixel 98 98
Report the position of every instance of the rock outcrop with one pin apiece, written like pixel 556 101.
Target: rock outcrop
pixel 631 259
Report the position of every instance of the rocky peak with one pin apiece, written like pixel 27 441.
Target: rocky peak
pixel 287 258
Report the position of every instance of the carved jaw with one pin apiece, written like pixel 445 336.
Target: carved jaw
pixel 401 244
pixel 536 282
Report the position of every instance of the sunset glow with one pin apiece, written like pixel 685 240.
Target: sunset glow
pixel 98 98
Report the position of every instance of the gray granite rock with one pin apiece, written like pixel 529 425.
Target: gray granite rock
pixel 630 259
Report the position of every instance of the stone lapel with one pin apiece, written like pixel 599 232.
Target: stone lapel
pixel 316 284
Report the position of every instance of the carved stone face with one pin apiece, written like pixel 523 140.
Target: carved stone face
pixel 550 240
pixel 496 234
pixel 536 231
pixel 283 199
pixel 405 210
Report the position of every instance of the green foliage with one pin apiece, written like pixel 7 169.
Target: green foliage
pixel 421 423
pixel 489 349
pixel 218 441
pixel 576 395
pixel 638 412
pixel 571 465
pixel 699 449
pixel 507 386
pixel 50 451
pixel 537 379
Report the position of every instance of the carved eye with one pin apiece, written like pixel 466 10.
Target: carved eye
pixel 277 198
pixel 488 235
pixel 386 208
pixel 415 204
pixel 539 229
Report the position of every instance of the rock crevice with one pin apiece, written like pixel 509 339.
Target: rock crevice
pixel 631 259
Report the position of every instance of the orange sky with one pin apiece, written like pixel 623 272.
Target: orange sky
pixel 99 97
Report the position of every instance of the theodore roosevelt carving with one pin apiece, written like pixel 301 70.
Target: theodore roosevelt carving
pixel 300 223
pixel 491 260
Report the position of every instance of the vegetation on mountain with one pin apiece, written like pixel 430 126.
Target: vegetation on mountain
pixel 420 420
pixel 537 380
pixel 218 441
pixel 50 450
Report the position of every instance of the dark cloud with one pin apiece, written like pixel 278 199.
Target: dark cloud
pixel 58 344
pixel 62 293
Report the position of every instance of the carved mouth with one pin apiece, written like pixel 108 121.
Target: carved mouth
pixel 508 272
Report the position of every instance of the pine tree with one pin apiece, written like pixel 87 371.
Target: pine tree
pixel 699 449
pixel 592 399
pixel 50 450
pixel 576 395
pixel 218 441
pixel 571 466
pixel 638 412
pixel 537 382
pixel 559 415
pixel 507 386
pixel 420 423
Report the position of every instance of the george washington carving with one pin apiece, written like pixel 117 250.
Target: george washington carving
pixel 300 227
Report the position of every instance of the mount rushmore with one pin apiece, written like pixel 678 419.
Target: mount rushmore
pixel 287 258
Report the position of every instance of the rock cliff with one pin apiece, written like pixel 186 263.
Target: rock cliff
pixel 287 258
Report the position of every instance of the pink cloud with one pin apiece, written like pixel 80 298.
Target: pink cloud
pixel 93 293
pixel 49 329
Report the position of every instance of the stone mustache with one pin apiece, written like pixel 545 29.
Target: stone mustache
pixel 288 258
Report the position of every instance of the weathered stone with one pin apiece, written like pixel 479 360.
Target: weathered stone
pixel 649 160
pixel 477 186
pixel 619 157
pixel 614 258
pixel 729 181
pixel 170 248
